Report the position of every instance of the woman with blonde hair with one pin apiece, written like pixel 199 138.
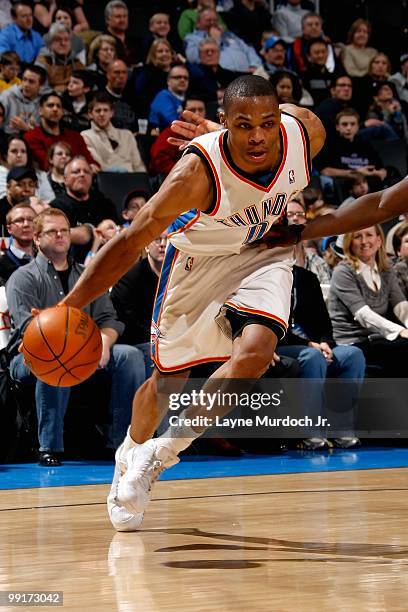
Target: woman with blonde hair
pixel 356 55
pixel 102 52
pixel 364 290
pixel 152 78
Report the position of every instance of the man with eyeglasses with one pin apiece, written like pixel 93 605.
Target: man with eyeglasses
pixel 20 221
pixel 41 284
pixel 168 103
pixel 207 77
pixel 341 91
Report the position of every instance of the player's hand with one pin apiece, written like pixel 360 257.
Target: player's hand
pixel 404 333
pixel 190 126
pixel 280 236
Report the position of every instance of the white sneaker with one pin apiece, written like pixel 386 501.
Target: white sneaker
pixel 144 465
pixel 121 519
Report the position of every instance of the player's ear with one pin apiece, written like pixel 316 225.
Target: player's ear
pixel 223 118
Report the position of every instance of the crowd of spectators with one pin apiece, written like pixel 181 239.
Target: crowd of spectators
pixel 78 101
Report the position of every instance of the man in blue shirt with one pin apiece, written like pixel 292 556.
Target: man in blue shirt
pixel 168 103
pixel 20 36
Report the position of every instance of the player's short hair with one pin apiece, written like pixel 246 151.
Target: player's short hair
pixel 45 215
pixel 248 86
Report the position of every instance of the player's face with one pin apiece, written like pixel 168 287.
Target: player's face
pixel 403 252
pixel 365 244
pixel 253 125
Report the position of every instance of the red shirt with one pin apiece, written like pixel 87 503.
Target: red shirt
pixel 39 141
pixel 163 156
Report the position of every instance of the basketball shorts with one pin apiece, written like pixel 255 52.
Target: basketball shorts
pixel 190 323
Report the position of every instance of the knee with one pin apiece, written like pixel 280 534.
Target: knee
pixel 313 358
pixel 250 362
pixel 351 357
pixel 127 355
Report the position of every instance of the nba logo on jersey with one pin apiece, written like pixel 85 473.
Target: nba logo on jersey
pixel 189 264
pixel 291 176
pixel 154 333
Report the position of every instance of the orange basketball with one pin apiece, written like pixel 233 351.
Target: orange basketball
pixel 62 346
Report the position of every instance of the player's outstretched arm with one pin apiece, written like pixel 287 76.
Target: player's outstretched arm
pixel 368 210
pixel 187 186
pixel 190 126
pixel 365 211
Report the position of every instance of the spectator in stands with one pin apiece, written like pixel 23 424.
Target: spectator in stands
pixel 116 25
pixel 187 22
pixel 133 297
pixel 21 102
pixel 357 188
pixel 289 89
pixel 356 55
pixel 236 55
pixel 18 154
pixel 39 285
pixel 45 14
pixel 102 52
pixel 305 257
pixel 207 77
pixel 5 13
pixel 316 78
pixel 274 57
pixel 75 101
pixel 19 220
pixel 113 149
pixel 59 154
pixel 152 78
pixel 310 340
pixel 116 87
pixel 50 130
pixel 312 29
pixel 20 36
pixel 65 16
pixel 132 203
pixel 314 203
pixel 168 104
pixel 9 69
pixel 160 29
pixel 248 19
pixel 400 265
pixel 103 232
pixel 58 58
pixel 163 155
pixel 84 207
pixel 387 108
pixel 341 90
pixel 287 19
pixel 362 293
pixel 379 70
pixel 400 79
pixel 21 186
pixel 348 153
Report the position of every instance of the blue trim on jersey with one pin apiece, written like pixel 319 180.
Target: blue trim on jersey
pixel 182 221
pixel 164 277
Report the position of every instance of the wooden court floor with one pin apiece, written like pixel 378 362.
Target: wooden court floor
pixel 321 541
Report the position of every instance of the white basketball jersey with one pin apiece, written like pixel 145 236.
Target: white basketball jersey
pixel 243 210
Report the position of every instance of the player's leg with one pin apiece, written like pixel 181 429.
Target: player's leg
pixel 147 412
pixel 251 355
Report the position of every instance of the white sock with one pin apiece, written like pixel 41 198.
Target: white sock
pixel 179 437
pixel 127 444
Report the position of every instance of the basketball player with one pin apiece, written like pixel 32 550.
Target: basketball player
pixel 223 294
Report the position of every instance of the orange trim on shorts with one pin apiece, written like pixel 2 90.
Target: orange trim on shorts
pixel 261 313
pixel 246 180
pixel 190 364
